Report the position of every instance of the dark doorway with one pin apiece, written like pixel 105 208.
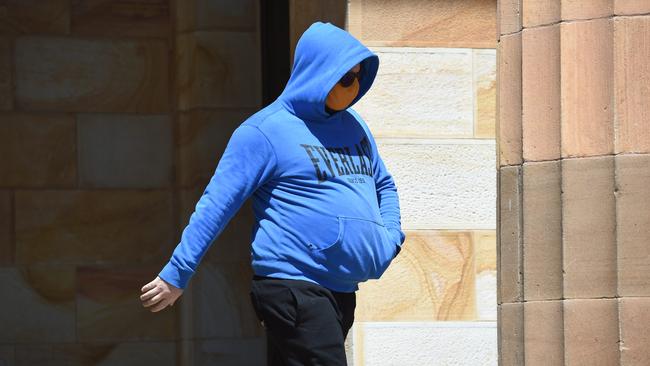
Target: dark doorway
pixel 274 26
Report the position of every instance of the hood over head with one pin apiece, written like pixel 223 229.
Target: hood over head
pixel 323 54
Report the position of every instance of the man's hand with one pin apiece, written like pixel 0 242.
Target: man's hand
pixel 159 294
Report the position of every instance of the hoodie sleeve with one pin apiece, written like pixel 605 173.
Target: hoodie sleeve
pixel 248 162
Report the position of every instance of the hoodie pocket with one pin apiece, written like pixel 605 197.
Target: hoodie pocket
pixel 361 251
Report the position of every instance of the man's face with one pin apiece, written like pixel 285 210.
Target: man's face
pixel 345 90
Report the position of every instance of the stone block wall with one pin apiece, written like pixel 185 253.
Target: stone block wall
pixel 113 116
pixel 573 140
pixel 432 110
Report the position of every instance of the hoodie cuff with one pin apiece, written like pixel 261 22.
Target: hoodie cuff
pixel 171 274
pixel 397 237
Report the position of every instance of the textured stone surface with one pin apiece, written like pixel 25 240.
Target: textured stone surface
pixel 420 92
pixel 234 242
pixel 508 16
pixel 221 302
pixel 634 315
pixel 97 353
pixel 302 14
pixel 586 9
pixel 109 308
pixel 631 6
pixel 591 332
pixel 125 150
pixel 6 77
pixel 218 69
pixel 6 228
pixel 203 135
pixel 631 80
pixel 23 17
pixel 437 23
pixel 633 221
pixel 485 262
pixel 431 279
pixel 99 227
pixel 131 18
pixel 448 343
pixel 484 93
pixel 7 353
pixel 589 227
pixel 543 329
pixel 540 12
pixel 455 182
pixel 542 245
pixel 541 93
pixel 45 296
pixel 210 14
pixel 509 106
pixel 91 75
pixel 511 334
pixel 229 352
pixel 38 150
pixel 510 246
pixel 587 88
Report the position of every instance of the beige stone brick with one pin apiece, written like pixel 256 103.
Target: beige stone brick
pixel 208 14
pixel 486 274
pixel 633 221
pixel 131 18
pixel 228 351
pixel 224 286
pixel 437 23
pixel 218 69
pixel 91 75
pixel 6 77
pixel 543 333
pixel 38 304
pixel 511 334
pixel 125 151
pixel 303 13
pixel 586 9
pixel 634 316
pixel 510 249
pixel 631 80
pixel 6 228
pixel 541 93
pixel 119 353
pixel 587 88
pixel 109 306
pixel 589 227
pixel 203 135
pixel 484 93
pixel 431 279
pixel 7 353
pixel 24 17
pixel 542 245
pixel 233 244
pixel 508 16
pixel 98 227
pixel 622 7
pixel 509 107
pixel 38 150
pixel 591 332
pixel 445 76
pixel 540 12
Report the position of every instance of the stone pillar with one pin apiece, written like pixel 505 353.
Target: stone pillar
pixel 574 182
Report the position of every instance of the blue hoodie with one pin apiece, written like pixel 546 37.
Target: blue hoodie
pixel 326 208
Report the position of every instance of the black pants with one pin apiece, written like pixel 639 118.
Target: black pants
pixel 306 324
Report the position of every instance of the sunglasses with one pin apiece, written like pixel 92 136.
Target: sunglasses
pixel 348 78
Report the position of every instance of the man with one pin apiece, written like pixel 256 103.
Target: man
pixel 327 210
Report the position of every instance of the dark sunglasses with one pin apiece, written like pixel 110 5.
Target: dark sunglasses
pixel 348 78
